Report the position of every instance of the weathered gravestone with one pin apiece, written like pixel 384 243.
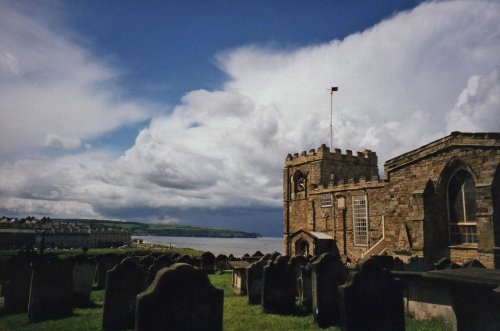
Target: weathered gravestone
pixel 83 278
pixel 208 262
pixel 105 263
pixel 416 263
pixel 258 254
pixel 371 299
pixel 17 283
pixel 445 263
pixel 278 287
pixel 180 298
pixel 147 261
pixel 51 290
pixel 123 283
pixel 327 273
pixel 305 289
pixel 254 280
pixel 163 261
pixel 185 259
pixel 297 263
pixel 275 255
pixel 221 262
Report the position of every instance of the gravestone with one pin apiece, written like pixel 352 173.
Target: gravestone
pixel 147 261
pixel 278 287
pixel 371 299
pixel 254 280
pixel 17 284
pixel 185 259
pixel 51 290
pixel 105 263
pixel 445 263
pixel 123 283
pixel 83 279
pixel 417 263
pixel 275 255
pixel 473 264
pixel 327 273
pixel 221 262
pixel 163 261
pixel 258 254
pixel 208 262
pixel 297 263
pixel 181 297
pixel 305 290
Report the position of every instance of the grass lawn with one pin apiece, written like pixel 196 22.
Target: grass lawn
pixel 238 315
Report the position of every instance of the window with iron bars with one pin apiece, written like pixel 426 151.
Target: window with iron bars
pixel 360 220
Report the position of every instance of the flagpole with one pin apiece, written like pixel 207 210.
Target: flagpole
pixel 333 89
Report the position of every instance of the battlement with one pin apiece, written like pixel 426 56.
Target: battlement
pixel 366 157
pixel 351 183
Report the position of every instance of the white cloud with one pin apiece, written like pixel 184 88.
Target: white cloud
pixel 478 106
pixel 56 141
pixel 402 83
pixel 52 87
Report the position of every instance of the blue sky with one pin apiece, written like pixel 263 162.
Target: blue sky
pixel 184 111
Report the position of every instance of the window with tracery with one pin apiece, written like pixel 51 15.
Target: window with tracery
pixel 462 208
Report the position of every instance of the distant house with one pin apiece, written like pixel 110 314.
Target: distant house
pixel 17 233
pixel 439 200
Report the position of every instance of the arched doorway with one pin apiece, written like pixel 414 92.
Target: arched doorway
pixel 302 247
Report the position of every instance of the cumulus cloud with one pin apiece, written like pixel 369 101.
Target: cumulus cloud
pixel 402 83
pixel 52 91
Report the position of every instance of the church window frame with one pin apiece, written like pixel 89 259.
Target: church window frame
pixel 461 207
pixel 326 200
pixel 360 220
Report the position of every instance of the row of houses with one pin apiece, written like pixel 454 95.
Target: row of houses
pixel 18 233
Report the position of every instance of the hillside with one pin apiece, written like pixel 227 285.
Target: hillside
pixel 168 230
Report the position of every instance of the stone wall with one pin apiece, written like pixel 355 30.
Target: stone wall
pixel 412 199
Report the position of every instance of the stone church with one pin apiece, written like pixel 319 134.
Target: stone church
pixel 439 200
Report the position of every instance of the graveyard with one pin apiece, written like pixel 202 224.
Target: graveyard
pixel 112 290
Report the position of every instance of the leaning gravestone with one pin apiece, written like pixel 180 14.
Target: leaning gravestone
pixel 83 279
pixel 208 262
pixel 123 283
pixel 254 280
pixel 221 262
pixel 17 284
pixel 278 287
pixel 51 290
pixel 180 298
pixel 106 263
pixel 371 299
pixel 328 272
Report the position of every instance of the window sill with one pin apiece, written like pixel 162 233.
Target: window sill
pixel 463 246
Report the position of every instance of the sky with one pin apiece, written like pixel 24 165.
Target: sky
pixel 183 112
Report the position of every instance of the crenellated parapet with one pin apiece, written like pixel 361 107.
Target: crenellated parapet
pixel 366 157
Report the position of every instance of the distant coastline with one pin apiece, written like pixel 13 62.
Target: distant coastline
pixel 166 230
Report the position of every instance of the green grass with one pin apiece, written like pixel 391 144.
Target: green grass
pixel 238 315
pixel 134 251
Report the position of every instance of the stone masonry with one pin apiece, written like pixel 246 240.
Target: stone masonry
pixel 409 212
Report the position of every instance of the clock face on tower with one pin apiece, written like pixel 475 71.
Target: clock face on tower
pixel 301 184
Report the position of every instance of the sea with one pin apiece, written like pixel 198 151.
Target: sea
pixel 236 246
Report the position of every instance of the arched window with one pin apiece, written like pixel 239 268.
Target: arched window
pixel 462 208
